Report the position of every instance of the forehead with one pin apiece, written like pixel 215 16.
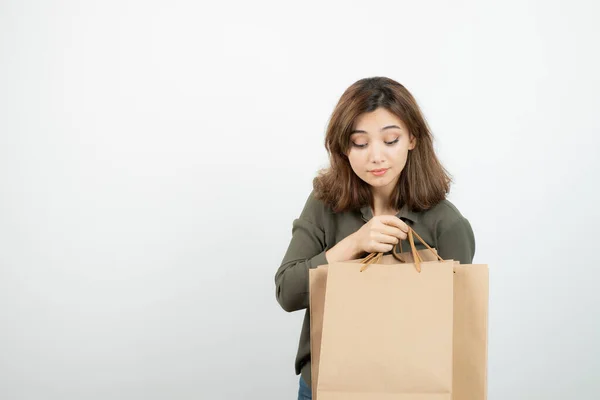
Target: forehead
pixel 377 119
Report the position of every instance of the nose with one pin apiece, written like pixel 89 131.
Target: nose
pixel 376 155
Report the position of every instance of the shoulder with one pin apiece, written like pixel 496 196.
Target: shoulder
pixel 315 210
pixel 442 217
pixel 452 234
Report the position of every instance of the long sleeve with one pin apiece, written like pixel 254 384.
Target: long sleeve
pixel 306 250
pixel 457 242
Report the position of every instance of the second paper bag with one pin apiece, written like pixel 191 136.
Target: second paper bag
pixel 387 332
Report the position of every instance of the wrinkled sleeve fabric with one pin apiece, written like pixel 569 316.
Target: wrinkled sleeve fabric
pixel 306 250
pixel 457 242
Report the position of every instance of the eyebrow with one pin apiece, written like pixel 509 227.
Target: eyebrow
pixel 382 129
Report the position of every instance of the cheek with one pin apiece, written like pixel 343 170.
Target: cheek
pixel 398 155
pixel 400 152
pixel 356 161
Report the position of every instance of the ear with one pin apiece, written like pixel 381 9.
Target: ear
pixel 413 142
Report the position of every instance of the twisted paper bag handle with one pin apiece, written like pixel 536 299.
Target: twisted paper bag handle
pixel 375 258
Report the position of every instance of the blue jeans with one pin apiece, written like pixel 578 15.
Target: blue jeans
pixel 304 392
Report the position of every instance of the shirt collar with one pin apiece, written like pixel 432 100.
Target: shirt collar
pixel 405 212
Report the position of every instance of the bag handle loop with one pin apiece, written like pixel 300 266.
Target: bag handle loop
pixel 375 257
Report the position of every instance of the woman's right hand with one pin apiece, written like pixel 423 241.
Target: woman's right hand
pixel 380 234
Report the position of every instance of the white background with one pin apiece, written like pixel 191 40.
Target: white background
pixel 153 156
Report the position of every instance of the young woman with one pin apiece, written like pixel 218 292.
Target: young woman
pixel 384 177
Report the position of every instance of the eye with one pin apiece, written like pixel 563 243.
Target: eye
pixel 363 145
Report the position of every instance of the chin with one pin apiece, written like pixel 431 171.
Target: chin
pixel 382 182
pixel 378 183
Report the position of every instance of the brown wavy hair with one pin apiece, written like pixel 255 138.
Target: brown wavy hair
pixel 423 182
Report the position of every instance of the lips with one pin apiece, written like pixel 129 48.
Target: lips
pixel 379 172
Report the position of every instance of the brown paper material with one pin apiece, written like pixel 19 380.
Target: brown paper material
pixel 470 300
pixel 317 285
pixel 387 332
pixel 471 293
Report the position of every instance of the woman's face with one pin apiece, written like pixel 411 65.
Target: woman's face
pixel 379 141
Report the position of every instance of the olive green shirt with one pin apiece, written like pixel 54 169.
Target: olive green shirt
pixel 319 228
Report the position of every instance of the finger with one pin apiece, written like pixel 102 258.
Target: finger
pixel 381 247
pixel 393 231
pixel 392 220
pixel 386 239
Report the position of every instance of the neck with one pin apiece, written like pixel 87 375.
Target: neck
pixel 381 205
